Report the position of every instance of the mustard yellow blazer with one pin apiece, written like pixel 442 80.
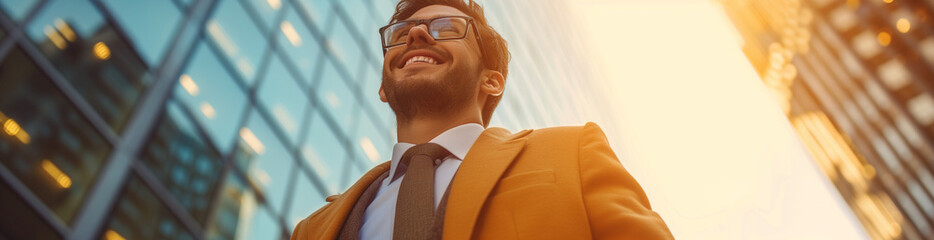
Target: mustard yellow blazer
pixel 552 183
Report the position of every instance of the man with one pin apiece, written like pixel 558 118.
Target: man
pixel 444 72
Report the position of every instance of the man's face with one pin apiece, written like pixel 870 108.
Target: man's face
pixel 429 76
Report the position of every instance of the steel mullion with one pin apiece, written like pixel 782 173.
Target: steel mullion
pixel 13 29
pixel 908 43
pixel 109 19
pixel 884 117
pixel 357 34
pixel 8 41
pixel 312 107
pixel 812 100
pixel 71 94
pixel 846 46
pixel 826 100
pixel 310 25
pixel 325 116
pixel 310 95
pixel 342 71
pixel 870 127
pixel 216 194
pixel 141 125
pixel 34 202
pixel 168 200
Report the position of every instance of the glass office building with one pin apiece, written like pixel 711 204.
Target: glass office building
pixel 855 78
pixel 223 119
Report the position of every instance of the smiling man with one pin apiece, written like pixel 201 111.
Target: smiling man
pixel 451 177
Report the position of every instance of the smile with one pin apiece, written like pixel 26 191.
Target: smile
pixel 420 59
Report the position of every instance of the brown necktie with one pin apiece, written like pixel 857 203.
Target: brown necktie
pixel 415 205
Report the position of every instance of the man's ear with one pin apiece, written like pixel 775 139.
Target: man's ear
pixel 493 83
pixel 382 94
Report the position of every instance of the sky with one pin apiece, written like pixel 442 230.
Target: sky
pixel 712 149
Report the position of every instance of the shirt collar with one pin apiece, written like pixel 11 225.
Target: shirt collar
pixel 457 140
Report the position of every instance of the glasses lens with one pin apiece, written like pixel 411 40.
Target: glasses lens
pixel 448 28
pixel 440 29
pixel 395 34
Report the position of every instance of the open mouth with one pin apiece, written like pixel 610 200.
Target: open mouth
pixel 419 60
pixel 420 57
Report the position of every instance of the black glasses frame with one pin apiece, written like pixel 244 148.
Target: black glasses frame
pixel 427 22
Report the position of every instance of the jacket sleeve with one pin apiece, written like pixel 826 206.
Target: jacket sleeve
pixel 616 205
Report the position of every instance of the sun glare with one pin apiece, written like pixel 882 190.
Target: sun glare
pixel 712 147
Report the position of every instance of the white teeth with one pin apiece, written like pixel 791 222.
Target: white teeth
pixel 423 59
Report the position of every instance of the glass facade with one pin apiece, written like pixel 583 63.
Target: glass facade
pixel 223 119
pixel 855 78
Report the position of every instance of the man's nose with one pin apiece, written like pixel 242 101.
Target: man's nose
pixel 419 34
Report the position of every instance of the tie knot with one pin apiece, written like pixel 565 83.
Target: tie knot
pixel 431 150
pixel 420 152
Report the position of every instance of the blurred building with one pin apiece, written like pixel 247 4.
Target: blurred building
pixel 855 78
pixel 222 119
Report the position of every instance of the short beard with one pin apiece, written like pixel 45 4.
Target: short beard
pixel 431 97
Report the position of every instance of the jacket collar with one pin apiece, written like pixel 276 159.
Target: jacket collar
pixel 482 168
pixel 344 203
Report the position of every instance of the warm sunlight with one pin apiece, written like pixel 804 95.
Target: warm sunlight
pixel 712 148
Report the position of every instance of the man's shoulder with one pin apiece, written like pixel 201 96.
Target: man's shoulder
pixel 560 132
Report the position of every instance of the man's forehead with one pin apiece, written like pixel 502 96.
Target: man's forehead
pixel 436 11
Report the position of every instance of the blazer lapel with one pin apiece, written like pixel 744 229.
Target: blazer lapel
pixel 481 169
pixel 346 201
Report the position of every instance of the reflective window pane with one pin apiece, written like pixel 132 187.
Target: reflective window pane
pixel 359 12
pixel 186 166
pixel 82 19
pixel 45 141
pixel 298 44
pixel 305 201
pixel 138 19
pixel 17 9
pixel 284 98
pixel 384 10
pixel 26 224
pixel 95 59
pixel 140 215
pixel 239 215
pixel 207 89
pixel 372 144
pixel 355 172
pixel 371 80
pixel 237 36
pixel 267 161
pixel 335 95
pixel 324 153
pixel 319 10
pixel 344 45
pixel 264 226
pixel 267 10
pixel 183 3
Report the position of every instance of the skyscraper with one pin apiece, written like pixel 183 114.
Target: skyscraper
pixel 856 80
pixel 223 119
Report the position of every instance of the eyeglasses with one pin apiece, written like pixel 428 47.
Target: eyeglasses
pixel 440 28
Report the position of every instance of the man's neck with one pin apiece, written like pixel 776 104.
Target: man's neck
pixel 422 129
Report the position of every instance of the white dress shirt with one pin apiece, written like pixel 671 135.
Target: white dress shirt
pixel 379 216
